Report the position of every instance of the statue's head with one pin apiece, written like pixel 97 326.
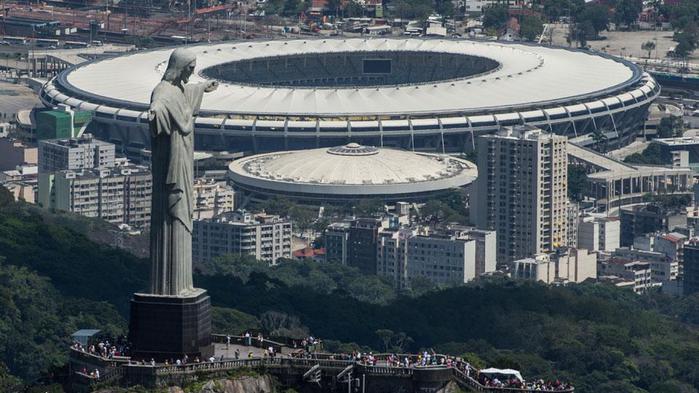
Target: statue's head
pixel 180 66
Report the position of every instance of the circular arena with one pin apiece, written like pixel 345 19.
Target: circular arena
pixel 348 173
pixel 419 94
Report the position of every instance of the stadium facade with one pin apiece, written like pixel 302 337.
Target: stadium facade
pixel 347 173
pixel 421 94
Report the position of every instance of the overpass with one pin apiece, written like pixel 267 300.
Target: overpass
pixel 614 183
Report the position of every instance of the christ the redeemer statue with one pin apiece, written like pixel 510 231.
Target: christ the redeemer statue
pixel 173 106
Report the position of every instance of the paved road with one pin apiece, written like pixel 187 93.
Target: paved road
pixel 15 97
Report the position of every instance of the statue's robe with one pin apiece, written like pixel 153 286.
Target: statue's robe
pixel 172 112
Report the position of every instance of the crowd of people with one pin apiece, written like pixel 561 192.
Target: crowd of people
pixel 94 374
pixel 514 383
pixel 106 347
pixel 110 348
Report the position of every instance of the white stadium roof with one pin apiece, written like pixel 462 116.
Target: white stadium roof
pixel 528 74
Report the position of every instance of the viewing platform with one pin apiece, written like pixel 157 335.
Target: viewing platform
pixel 296 367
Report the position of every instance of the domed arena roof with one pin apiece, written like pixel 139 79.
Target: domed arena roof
pixel 351 170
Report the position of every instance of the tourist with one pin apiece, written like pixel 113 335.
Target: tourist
pixel 237 353
pixel 248 339
pixel 228 341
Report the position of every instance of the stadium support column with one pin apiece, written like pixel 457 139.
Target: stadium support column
pixel 317 133
pixel 473 136
pixel 253 135
pixel 412 135
pixel 381 132
pixel 441 134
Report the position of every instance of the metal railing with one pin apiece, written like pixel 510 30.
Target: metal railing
pixel 473 384
pixel 113 369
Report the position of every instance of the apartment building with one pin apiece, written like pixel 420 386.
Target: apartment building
pixel 264 236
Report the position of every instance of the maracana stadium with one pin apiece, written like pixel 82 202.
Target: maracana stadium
pixel 430 95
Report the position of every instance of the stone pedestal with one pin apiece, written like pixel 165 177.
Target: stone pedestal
pixel 164 327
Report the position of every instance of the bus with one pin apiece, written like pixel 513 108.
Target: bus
pixel 16 41
pixel 75 44
pixel 46 43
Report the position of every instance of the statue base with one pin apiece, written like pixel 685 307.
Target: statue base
pixel 168 327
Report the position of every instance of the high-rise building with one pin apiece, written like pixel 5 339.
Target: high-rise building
pixel 521 191
pixel 363 237
pixel 599 233
pixel 391 256
pixel 266 237
pixel 337 242
pixel 572 220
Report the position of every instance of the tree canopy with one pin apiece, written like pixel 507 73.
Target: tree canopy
pixel 53 280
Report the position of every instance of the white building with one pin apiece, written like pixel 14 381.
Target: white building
pixel 441 260
pixel 408 253
pixel 573 219
pixel 521 191
pixel 212 198
pixel 120 195
pixel 477 6
pixel 538 268
pixel 575 265
pixel 599 233
pixel 564 266
pixel 627 273
pixel 671 244
pixel 266 237
pixel 486 246
pixel 663 268
pixel 83 152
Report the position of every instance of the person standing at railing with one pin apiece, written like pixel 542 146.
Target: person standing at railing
pixel 248 339
pixel 237 354
pixel 228 342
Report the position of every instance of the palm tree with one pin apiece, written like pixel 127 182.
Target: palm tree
pixel 600 140
pixel 648 46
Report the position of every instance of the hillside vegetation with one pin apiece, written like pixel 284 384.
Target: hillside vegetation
pixel 53 280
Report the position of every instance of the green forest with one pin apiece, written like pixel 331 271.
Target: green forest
pixel 603 339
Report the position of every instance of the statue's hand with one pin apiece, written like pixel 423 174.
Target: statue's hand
pixel 211 86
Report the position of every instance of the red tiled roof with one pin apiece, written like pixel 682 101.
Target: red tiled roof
pixel 309 252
